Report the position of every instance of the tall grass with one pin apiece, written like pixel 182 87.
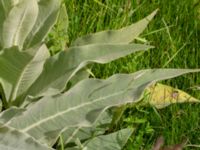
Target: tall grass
pixel 175 34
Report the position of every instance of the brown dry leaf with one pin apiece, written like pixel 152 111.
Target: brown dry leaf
pixel 160 142
pixel 161 95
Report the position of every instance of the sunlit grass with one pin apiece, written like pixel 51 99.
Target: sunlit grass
pixel 175 34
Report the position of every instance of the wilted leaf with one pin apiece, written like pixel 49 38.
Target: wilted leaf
pixel 58 37
pixel 10 113
pixel 161 96
pixel 160 142
pixel 5 6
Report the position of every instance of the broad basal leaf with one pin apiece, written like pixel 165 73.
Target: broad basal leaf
pixel 82 104
pixel 5 7
pixel 60 68
pixel 161 96
pixel 123 35
pixel 48 12
pixel 20 69
pixel 83 133
pixel 10 113
pixel 11 139
pixel 113 141
pixel 18 23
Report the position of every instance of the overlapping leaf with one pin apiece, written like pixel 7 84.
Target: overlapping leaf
pixel 113 141
pixel 5 6
pixel 11 139
pixel 20 69
pixel 48 12
pixel 18 22
pixel 83 103
pixel 60 68
pixel 83 133
pixel 123 35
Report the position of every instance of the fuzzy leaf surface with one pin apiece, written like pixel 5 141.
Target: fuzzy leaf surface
pixel 113 141
pixel 12 139
pixel 60 68
pixel 83 133
pixel 123 35
pixel 19 22
pixel 48 12
pixel 82 105
pixel 20 69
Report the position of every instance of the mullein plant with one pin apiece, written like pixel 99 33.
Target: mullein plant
pixel 38 108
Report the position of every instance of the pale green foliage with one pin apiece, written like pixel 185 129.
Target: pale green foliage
pixel 113 141
pixel 12 139
pixel 33 85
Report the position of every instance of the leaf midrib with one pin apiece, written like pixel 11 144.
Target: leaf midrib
pixel 68 110
pixel 17 85
pixel 38 28
pixel 15 39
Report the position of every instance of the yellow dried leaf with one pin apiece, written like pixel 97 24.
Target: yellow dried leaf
pixel 161 95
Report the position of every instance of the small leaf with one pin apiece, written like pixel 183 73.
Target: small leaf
pixel 58 37
pixel 124 35
pixel 160 142
pixel 162 96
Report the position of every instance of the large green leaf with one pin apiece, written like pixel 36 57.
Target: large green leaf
pixel 113 141
pixel 10 113
pixel 123 35
pixel 79 76
pixel 60 68
pixel 18 23
pixel 83 133
pixel 11 139
pixel 20 69
pixel 48 12
pixel 82 104
pixel 5 7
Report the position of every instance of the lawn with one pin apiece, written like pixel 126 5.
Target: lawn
pixel 175 34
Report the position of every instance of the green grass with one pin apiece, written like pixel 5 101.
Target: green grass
pixel 175 34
